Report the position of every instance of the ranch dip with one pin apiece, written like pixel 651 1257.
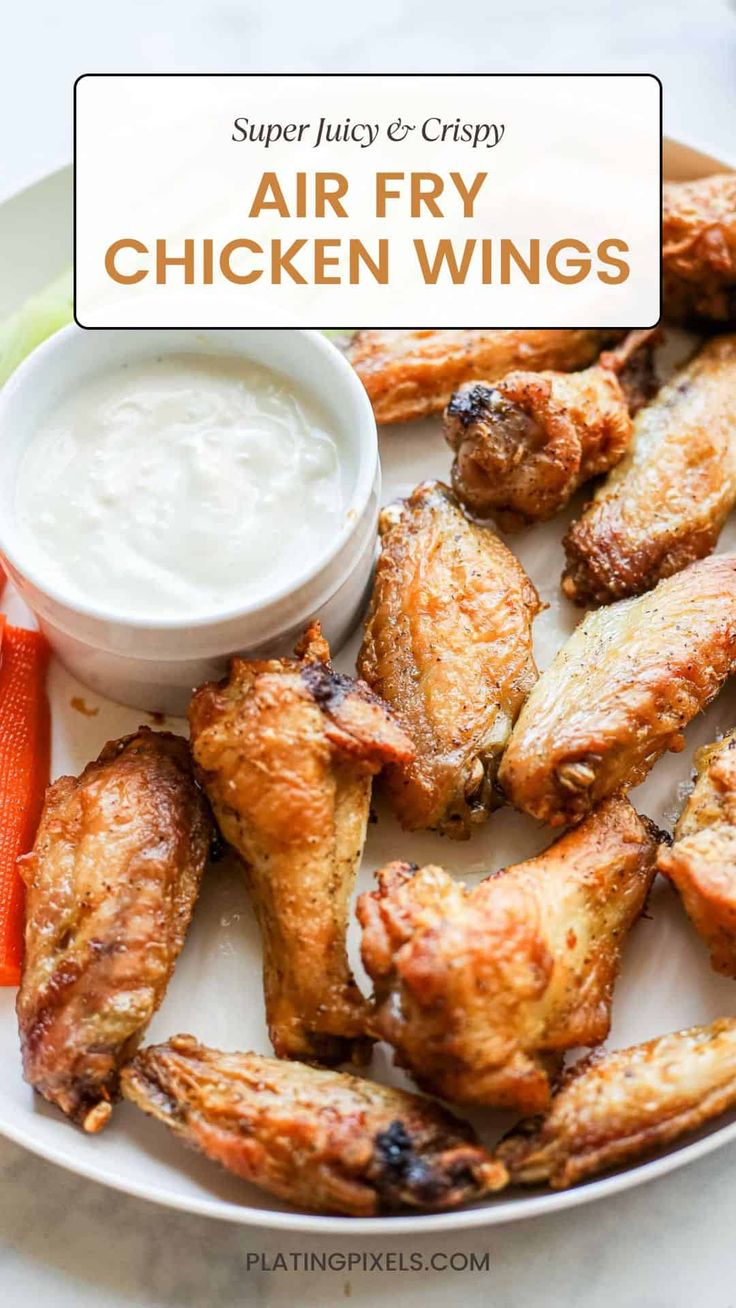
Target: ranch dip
pixel 181 485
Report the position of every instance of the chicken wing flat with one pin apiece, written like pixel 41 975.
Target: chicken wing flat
pixel 620 692
pixel 665 503
pixel 411 374
pixel 614 1107
pixel 286 749
pixel 480 991
pixel 325 1141
pixel 525 444
pixel 699 249
pixel 702 861
pixel 110 887
pixel 448 645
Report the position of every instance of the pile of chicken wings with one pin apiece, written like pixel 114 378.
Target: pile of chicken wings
pixel 483 991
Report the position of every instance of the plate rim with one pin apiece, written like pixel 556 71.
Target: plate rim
pixel 495 1213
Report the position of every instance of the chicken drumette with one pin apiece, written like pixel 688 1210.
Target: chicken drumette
pixel 480 991
pixel 110 887
pixel 410 374
pixel 699 249
pixel 702 861
pixel 286 749
pixel 326 1141
pixel 613 1107
pixel 621 691
pixel 525 444
pixel 448 645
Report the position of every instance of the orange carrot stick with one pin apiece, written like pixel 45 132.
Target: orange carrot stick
pixel 24 773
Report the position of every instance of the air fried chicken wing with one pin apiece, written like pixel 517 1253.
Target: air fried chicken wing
pixel 481 990
pixel 611 1108
pixel 525 444
pixel 286 749
pixel 702 861
pixel 110 887
pixel 325 1141
pixel 621 691
pixel 699 249
pixel 448 645
pixel 665 503
pixel 411 374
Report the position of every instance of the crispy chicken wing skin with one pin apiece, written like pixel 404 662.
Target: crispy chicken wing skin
pixel 411 374
pixel 480 991
pixel 611 1108
pixel 699 249
pixel 286 749
pixel 702 861
pixel 325 1141
pixel 664 505
pixel 620 692
pixel 110 887
pixel 448 645
pixel 525 444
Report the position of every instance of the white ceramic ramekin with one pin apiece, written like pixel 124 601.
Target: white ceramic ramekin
pixel 154 664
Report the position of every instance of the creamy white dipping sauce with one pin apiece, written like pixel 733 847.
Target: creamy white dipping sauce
pixel 187 484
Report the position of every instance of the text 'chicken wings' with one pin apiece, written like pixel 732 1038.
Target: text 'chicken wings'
pixel 448 645
pixel 110 887
pixel 286 749
pixel 525 444
pixel 326 1141
pixel 480 991
pixel 702 860
pixel 411 374
pixel 665 503
pixel 699 249
pixel 611 1108
pixel 620 691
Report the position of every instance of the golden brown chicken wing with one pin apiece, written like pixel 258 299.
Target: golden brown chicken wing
pixel 699 249
pixel 664 505
pixel 448 645
pixel 480 991
pixel 525 444
pixel 620 692
pixel 110 887
pixel 286 749
pixel 324 1141
pixel 614 1107
pixel 410 374
pixel 702 861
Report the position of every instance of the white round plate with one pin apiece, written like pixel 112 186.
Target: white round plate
pixel 665 982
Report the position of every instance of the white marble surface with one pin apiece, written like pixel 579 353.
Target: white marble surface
pixel 70 1243
pixel 64 1241
pixel 690 44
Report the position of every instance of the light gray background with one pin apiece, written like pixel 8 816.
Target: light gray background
pixel 68 1242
